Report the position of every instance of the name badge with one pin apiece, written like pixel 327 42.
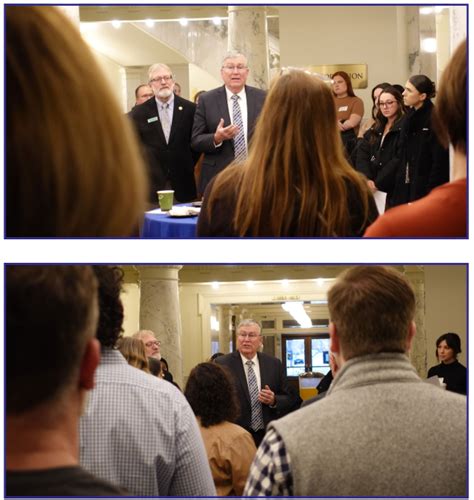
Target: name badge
pixel 343 108
pixel 154 119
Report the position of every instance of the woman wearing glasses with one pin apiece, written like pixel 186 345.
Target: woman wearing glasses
pixel 296 180
pixel 379 154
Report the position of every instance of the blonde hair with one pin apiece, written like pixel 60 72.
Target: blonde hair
pixel 133 351
pixel 74 167
pixel 295 180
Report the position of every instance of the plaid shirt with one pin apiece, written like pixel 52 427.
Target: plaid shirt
pixel 140 433
pixel 270 473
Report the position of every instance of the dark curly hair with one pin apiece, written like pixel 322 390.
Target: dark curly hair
pixel 109 328
pixel 211 394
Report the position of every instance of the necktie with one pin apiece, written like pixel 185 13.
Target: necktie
pixel 240 151
pixel 165 121
pixel 257 417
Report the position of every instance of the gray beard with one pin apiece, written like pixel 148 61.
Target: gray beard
pixel 165 93
pixel 157 356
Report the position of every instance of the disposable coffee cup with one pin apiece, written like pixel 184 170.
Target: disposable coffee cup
pixel 165 199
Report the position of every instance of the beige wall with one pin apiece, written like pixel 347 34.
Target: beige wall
pixel 114 74
pixel 445 302
pixel 372 35
pixel 200 80
pixel 445 308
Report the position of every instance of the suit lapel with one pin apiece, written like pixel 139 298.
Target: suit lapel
pixel 251 111
pixel 156 125
pixel 239 369
pixel 223 107
pixel 177 117
pixel 264 371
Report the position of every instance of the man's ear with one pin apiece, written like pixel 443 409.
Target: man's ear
pixel 411 334
pixel 89 363
pixel 333 339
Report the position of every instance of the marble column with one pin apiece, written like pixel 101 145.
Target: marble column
pixel 419 354
pixel 247 33
pixel 160 312
pixel 458 25
pixel 224 331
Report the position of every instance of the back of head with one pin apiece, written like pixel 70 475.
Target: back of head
pixel 71 154
pixel 51 313
pixel 133 351
pixel 154 366
pixel 109 328
pixel 296 165
pixel 450 111
pixel 211 394
pixel 372 308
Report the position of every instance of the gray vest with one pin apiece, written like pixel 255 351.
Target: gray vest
pixel 380 431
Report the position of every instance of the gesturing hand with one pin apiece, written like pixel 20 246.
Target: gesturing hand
pixel 225 133
pixel 267 396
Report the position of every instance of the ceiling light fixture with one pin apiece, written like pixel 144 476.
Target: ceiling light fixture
pixel 150 23
pixel 217 21
pixel 183 21
pixel 116 24
pixel 296 310
pixel 215 285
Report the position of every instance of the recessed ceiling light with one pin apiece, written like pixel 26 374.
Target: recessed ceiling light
pixel 150 23
pixel 183 21
pixel 116 24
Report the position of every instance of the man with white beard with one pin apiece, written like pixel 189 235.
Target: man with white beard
pixel 164 125
pixel 152 346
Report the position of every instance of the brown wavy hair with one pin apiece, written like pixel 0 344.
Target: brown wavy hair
pixel 73 164
pixel 296 177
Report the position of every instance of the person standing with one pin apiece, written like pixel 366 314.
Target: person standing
pixel 426 161
pixel 381 430
pixel 225 118
pixel 164 125
pixel 349 110
pixel 261 386
pixel 142 93
pixel 55 309
pixel 453 373
pixel 138 431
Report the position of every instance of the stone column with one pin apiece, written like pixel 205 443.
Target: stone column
pixel 224 332
pixel 458 25
pixel 247 32
pixel 160 312
pixel 418 354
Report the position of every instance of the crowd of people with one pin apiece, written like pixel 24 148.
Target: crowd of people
pixel 86 416
pixel 298 160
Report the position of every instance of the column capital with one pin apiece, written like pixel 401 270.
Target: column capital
pixel 165 272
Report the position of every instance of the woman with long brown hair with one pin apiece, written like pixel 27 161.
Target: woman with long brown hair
pixel 296 180
pixel 133 351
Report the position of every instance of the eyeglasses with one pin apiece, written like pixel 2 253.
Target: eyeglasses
pixel 158 79
pixel 239 67
pixel 250 336
pixel 153 342
pixel 386 104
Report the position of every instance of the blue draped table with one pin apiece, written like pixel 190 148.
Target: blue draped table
pixel 160 225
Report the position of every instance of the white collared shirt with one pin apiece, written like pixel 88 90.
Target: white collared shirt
pixel 256 369
pixel 243 108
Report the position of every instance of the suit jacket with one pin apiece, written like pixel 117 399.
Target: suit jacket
pixel 271 374
pixel 173 162
pixel 211 108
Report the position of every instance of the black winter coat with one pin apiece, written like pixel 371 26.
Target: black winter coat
pixel 381 164
pixel 425 161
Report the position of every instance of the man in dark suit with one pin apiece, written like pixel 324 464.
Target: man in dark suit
pixel 217 130
pixel 271 391
pixel 164 125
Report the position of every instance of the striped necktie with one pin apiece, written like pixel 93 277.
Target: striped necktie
pixel 256 423
pixel 240 150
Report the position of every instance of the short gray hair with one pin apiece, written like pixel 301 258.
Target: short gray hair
pixel 141 333
pixel 249 322
pixel 156 67
pixel 232 55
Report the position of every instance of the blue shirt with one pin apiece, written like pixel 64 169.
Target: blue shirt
pixel 139 432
